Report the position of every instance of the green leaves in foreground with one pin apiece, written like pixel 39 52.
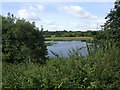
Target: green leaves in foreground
pixel 101 70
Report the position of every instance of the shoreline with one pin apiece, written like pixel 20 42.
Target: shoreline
pixel 68 38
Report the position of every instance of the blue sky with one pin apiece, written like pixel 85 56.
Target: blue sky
pixel 60 16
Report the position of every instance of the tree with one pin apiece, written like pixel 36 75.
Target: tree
pixel 111 29
pixel 22 41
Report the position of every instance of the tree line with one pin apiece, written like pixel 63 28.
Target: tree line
pixel 66 33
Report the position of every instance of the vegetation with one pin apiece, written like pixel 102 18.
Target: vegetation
pixel 99 70
pixel 69 38
pixel 22 41
pixel 49 43
pixel 69 33
pixel 111 29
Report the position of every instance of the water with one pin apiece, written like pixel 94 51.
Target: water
pixel 63 47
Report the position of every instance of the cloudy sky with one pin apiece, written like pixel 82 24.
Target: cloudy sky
pixel 61 15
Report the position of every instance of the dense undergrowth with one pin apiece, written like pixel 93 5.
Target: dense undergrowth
pixel 98 70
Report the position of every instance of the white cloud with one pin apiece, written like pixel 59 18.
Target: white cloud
pixel 26 14
pixel 31 13
pixel 49 22
pixel 88 25
pixel 77 11
pixel 41 8
pixel 84 25
pixel 101 21
pixel 55 27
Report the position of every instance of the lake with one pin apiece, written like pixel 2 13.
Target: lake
pixel 63 48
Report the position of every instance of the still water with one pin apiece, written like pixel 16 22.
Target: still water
pixel 63 48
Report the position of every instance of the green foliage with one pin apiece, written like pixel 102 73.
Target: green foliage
pixel 105 68
pixel 113 18
pixel 69 33
pixel 111 29
pixel 22 41
pixel 100 70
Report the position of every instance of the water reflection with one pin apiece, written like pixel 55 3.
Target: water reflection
pixel 63 47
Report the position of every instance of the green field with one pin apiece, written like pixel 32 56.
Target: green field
pixel 69 38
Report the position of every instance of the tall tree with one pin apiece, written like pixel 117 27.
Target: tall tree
pixel 111 29
pixel 22 41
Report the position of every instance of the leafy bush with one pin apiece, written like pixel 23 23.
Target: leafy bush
pixel 100 70
pixel 22 41
pixel 105 69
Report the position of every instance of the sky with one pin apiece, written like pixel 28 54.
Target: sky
pixel 59 16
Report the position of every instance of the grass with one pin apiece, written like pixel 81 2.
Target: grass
pixel 49 44
pixel 99 70
pixel 69 38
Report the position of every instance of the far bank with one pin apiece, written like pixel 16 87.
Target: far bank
pixel 69 38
